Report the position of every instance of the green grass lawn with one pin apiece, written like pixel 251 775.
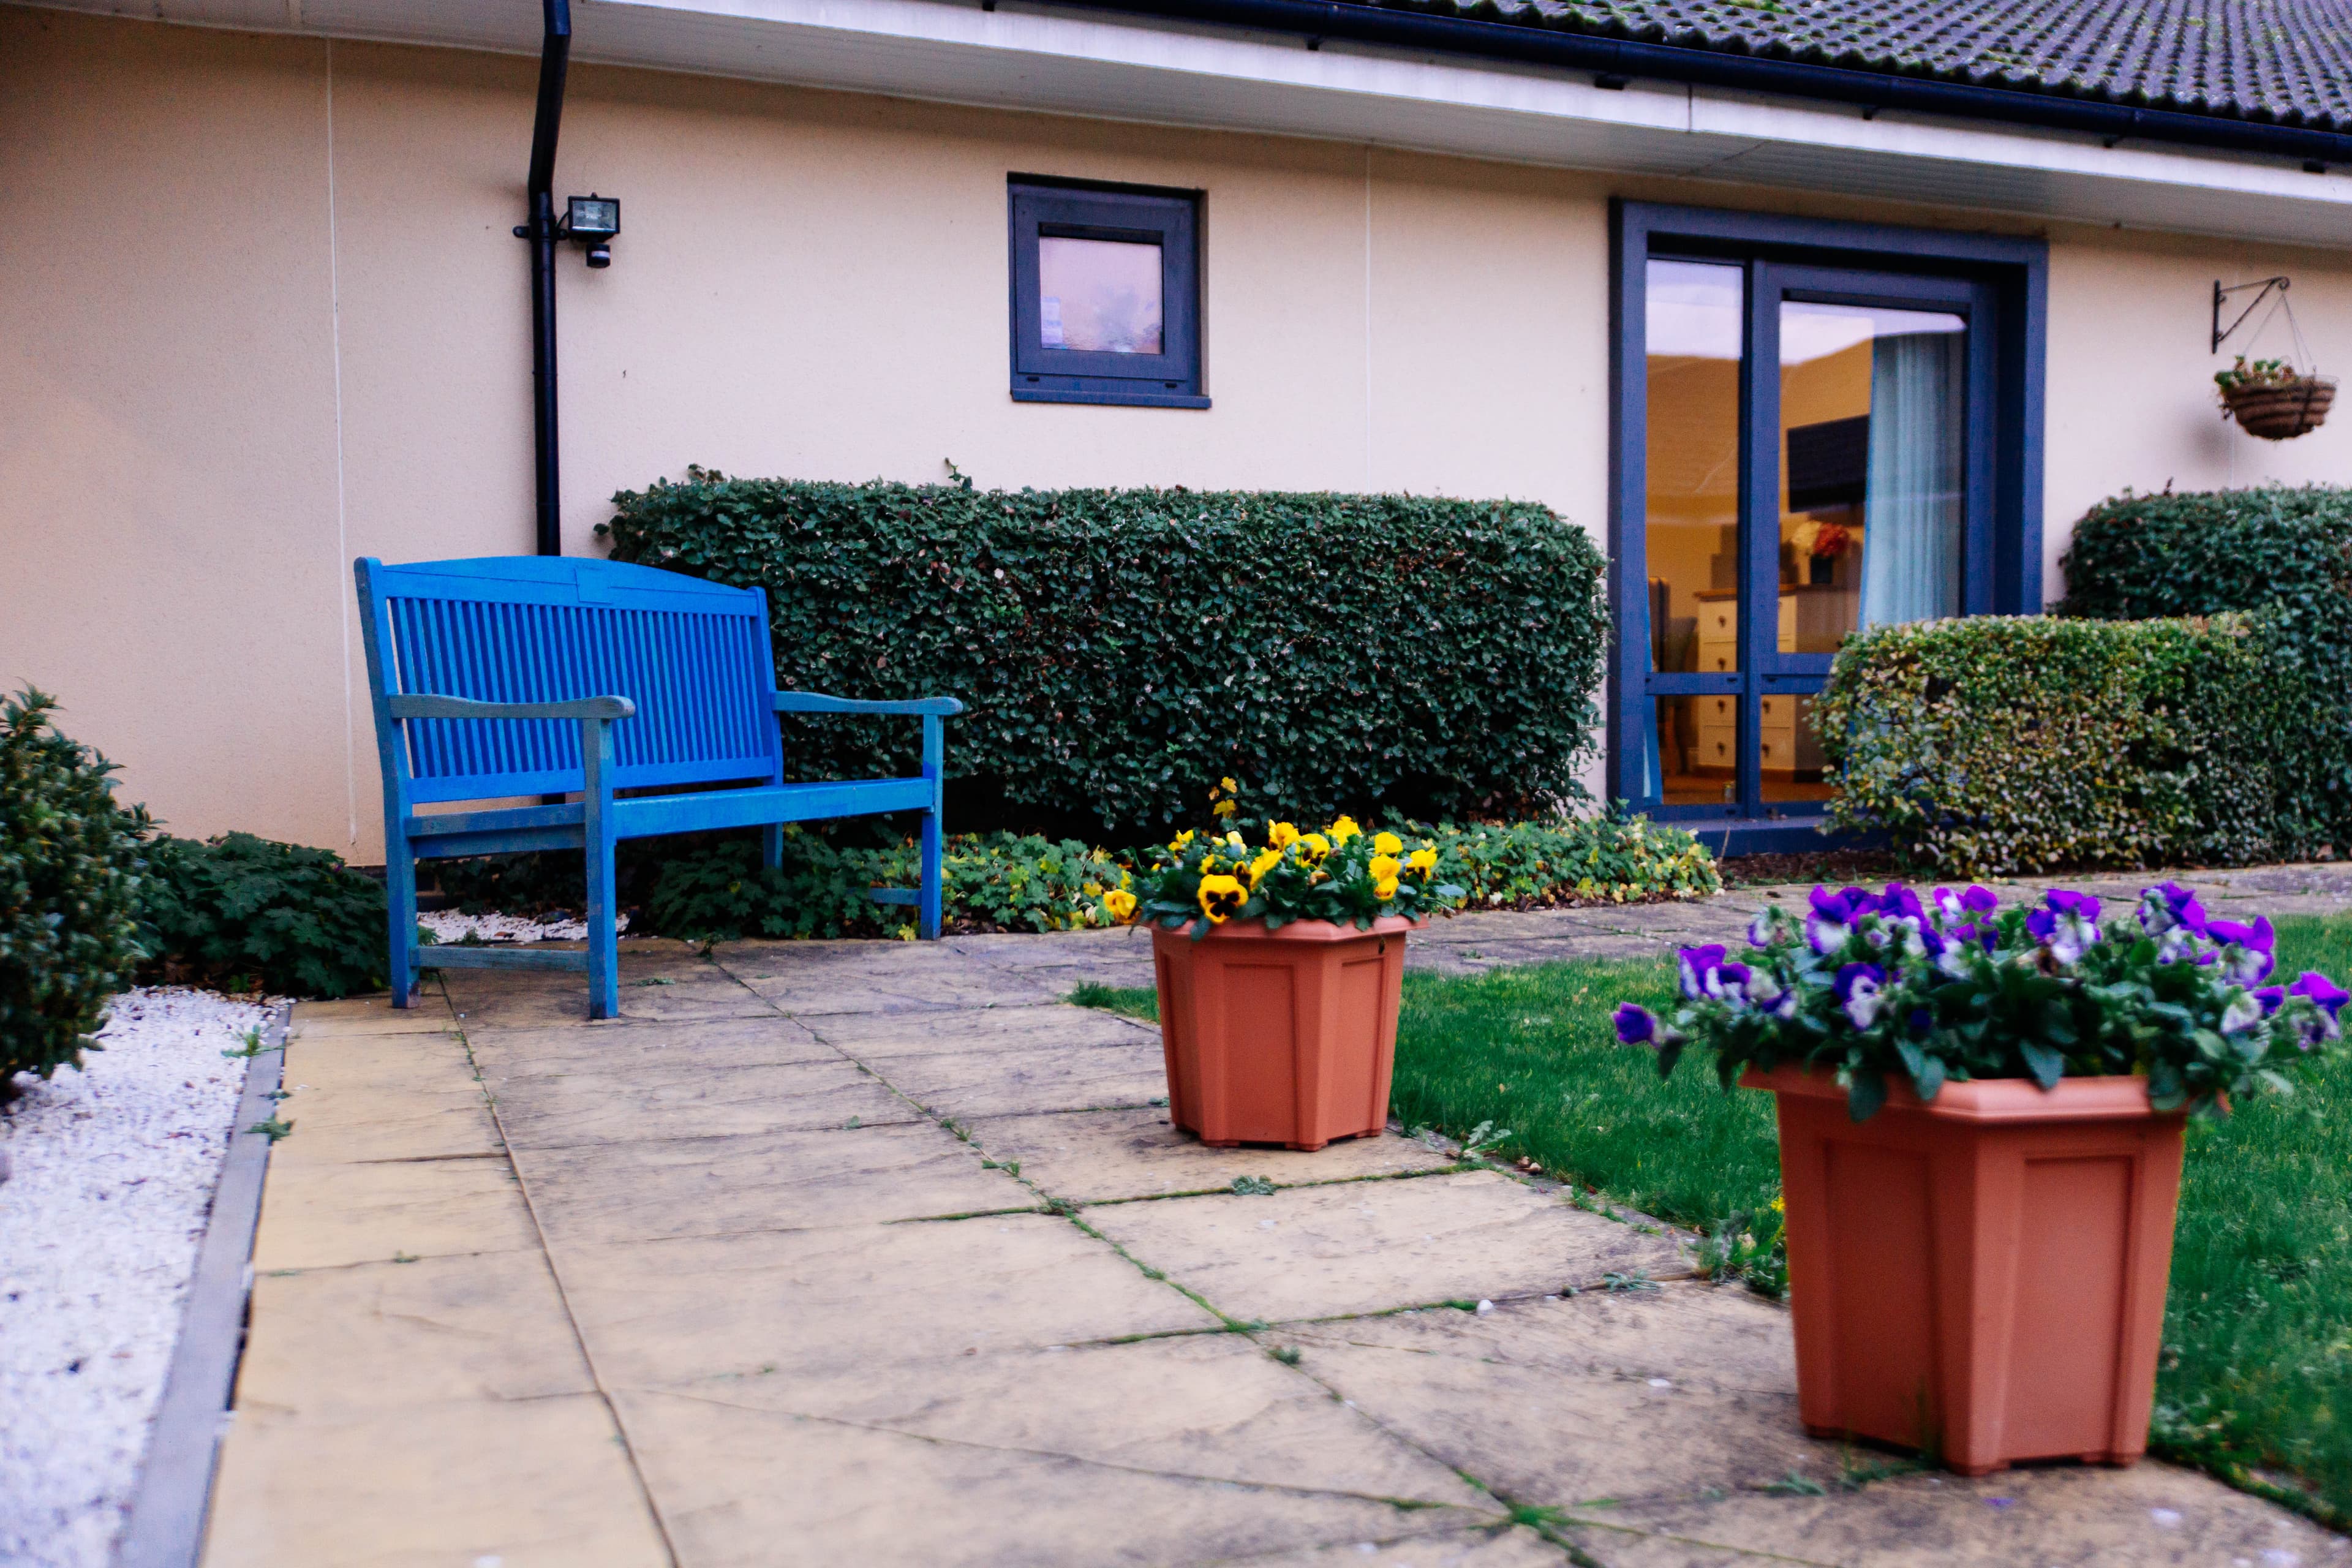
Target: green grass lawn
pixel 2256 1382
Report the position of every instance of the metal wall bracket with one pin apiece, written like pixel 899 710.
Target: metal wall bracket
pixel 2221 334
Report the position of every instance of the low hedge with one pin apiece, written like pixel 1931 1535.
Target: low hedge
pixel 248 913
pixel 2018 744
pixel 69 889
pixel 1118 651
pixel 2283 551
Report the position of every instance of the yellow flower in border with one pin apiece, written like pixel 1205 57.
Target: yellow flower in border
pixel 1424 861
pixel 1121 905
pixel 1314 846
pixel 1262 864
pixel 1094 890
pixel 1281 835
pixel 1345 829
pixel 1385 888
pixel 1780 1204
pixel 1181 840
pixel 1384 869
pixel 1236 840
pixel 1221 899
pixel 1387 843
pixel 1228 786
pixel 1224 808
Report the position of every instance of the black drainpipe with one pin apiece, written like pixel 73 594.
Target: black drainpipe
pixel 1616 60
pixel 554 55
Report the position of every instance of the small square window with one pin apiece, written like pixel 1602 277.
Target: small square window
pixel 1106 294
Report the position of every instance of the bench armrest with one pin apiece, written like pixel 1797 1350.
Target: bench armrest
pixel 818 703
pixel 467 708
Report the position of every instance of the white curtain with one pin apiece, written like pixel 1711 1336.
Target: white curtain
pixel 1912 514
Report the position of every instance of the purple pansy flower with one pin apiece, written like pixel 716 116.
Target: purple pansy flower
pixel 1765 992
pixel 2245 956
pixel 1858 987
pixel 2243 1012
pixel 1964 906
pixel 1697 963
pixel 1636 1026
pixel 2322 992
pixel 2168 907
pixel 2270 996
pixel 2067 925
pixel 1765 928
pixel 1831 924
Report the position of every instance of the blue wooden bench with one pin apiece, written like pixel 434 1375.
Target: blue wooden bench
pixel 528 675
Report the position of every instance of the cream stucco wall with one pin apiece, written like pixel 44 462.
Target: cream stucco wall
pixel 262 313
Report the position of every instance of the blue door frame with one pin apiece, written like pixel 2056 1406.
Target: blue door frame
pixel 1998 282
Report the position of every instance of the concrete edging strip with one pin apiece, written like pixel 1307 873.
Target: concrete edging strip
pixel 166 1529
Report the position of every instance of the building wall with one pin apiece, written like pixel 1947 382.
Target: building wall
pixel 262 312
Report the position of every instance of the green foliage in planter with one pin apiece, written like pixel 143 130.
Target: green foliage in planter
pixel 295 921
pixel 2281 550
pixel 2006 744
pixel 69 883
pixel 1551 861
pixel 1119 650
pixel 992 881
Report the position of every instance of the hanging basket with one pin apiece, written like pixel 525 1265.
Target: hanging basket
pixel 2280 412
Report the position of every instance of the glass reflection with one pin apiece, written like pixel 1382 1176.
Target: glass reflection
pixel 1098 296
pixel 1693 320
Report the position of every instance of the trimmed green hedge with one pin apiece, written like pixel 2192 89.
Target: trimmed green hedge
pixel 69 887
pixel 2000 744
pixel 2286 552
pixel 1120 651
pixel 241 911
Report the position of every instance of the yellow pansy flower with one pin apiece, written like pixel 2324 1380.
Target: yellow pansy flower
pixel 1345 829
pixel 1384 869
pixel 1262 864
pixel 1422 860
pixel 1227 785
pixel 1224 808
pixel 1314 846
pixel 1236 840
pixel 1281 835
pixel 1181 840
pixel 1121 903
pixel 1385 888
pixel 1094 890
pixel 1221 899
pixel 1387 843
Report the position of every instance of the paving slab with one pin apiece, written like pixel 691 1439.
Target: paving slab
pixel 733 1482
pixel 532 1483
pixel 622 1048
pixel 931 978
pixel 338 1342
pixel 368 1016
pixel 667 986
pixel 1094 1156
pixel 668 1312
pixel 1374 1246
pixel 1208 1407
pixel 654 1188
pixel 1656 1394
pixel 1509 1547
pixel 564 1109
pixel 883 1036
pixel 2150 1516
pixel 364 1123
pixel 327 1214
pixel 393 1064
pixel 963 1085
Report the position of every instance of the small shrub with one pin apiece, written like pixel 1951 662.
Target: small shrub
pixel 2016 745
pixel 2285 552
pixel 289 919
pixel 69 884
pixel 1551 861
pixel 1119 650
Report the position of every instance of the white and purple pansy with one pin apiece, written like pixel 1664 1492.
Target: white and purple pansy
pixel 2320 1023
pixel 2243 1012
pixel 1859 987
pixel 1766 927
pixel 2067 925
pixel 2246 954
pixel 1767 995
pixel 1964 906
pixel 1698 965
pixel 1831 924
pixel 2169 907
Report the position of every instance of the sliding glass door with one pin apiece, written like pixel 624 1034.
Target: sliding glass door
pixel 1816 458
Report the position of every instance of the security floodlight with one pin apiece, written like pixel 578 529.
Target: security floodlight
pixel 593 220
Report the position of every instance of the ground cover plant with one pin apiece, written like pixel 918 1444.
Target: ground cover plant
pixel 69 888
pixel 1118 651
pixel 248 913
pixel 2255 1381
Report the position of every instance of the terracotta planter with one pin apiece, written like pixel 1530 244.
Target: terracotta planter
pixel 1283 1036
pixel 2282 413
pixel 1986 1273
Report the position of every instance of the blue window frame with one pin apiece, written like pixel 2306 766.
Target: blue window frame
pixel 1106 294
pixel 1725 637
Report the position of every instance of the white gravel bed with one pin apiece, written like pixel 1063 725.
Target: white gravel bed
pixel 449 926
pixel 110 1177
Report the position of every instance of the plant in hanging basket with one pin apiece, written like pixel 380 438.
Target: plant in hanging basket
pixel 1280 966
pixel 2272 399
pixel 1980 1116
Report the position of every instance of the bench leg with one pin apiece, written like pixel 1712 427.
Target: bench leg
pixel 399 918
pixel 771 846
pixel 603 943
pixel 934 768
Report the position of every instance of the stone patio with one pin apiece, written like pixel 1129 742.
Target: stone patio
pixel 870 1253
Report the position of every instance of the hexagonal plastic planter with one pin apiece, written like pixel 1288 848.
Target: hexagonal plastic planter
pixel 1982 1277
pixel 1284 1036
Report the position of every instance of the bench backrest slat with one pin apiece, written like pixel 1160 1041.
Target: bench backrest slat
pixel 693 656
